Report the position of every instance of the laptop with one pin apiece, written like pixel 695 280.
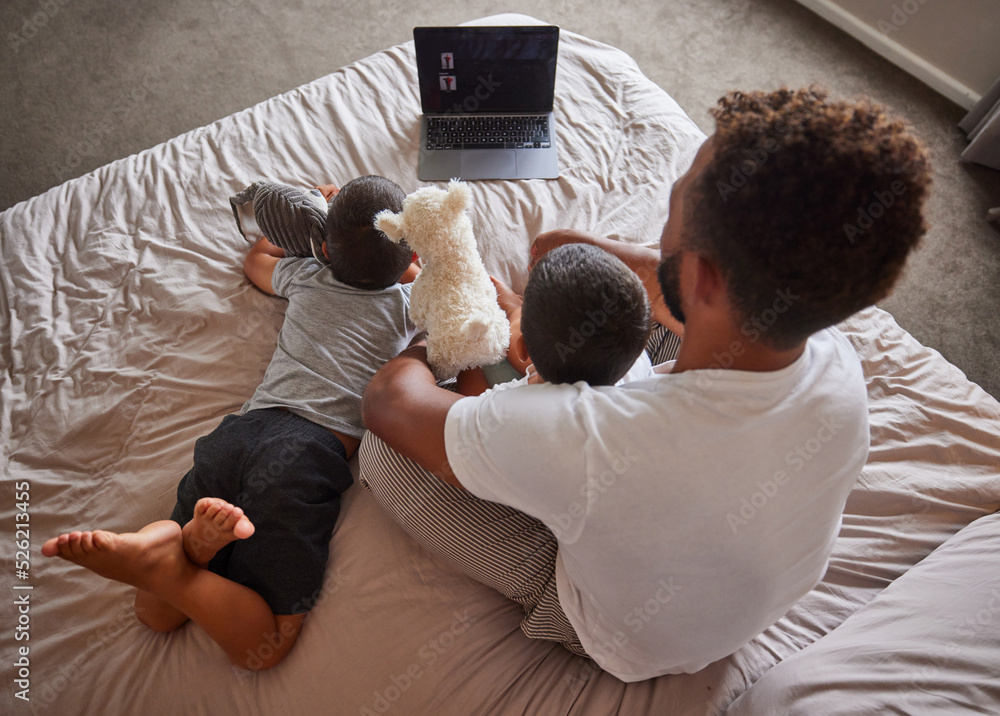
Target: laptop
pixel 486 95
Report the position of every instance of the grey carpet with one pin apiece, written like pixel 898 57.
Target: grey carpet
pixel 85 82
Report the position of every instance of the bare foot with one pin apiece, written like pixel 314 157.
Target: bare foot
pixel 150 559
pixel 215 524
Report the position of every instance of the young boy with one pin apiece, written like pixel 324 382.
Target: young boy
pixel 245 550
pixel 584 316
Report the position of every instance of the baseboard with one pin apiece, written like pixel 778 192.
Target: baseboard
pixel 891 50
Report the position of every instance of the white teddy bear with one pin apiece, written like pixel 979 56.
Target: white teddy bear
pixel 452 298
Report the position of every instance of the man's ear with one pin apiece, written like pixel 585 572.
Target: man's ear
pixel 707 285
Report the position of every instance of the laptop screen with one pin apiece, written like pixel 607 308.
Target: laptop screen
pixel 470 70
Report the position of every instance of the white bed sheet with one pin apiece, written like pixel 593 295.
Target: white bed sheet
pixel 129 331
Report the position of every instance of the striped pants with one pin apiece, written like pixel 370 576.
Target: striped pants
pixel 494 544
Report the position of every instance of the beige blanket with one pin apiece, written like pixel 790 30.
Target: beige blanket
pixel 129 330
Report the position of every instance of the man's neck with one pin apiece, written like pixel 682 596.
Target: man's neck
pixel 722 346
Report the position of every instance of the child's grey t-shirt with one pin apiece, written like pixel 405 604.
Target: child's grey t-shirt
pixel 333 339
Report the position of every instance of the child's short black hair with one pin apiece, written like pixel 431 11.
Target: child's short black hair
pixel 360 255
pixel 585 316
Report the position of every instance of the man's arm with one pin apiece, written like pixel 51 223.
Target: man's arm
pixel 643 260
pixel 404 407
pixel 260 262
pixel 471 382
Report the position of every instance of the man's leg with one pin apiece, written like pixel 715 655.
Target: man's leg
pixel 154 561
pixel 662 345
pixel 496 545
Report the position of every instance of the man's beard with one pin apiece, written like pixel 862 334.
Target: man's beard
pixel 669 275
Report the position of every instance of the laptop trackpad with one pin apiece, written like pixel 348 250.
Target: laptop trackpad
pixel 488 164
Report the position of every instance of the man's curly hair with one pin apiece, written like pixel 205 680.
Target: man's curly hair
pixel 809 207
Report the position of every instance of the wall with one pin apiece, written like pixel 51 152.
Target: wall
pixel 951 45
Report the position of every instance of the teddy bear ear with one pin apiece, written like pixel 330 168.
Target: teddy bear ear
pixel 459 196
pixel 390 224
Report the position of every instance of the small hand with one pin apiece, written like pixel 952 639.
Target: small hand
pixel 328 191
pixel 509 301
pixel 553 239
pixel 410 273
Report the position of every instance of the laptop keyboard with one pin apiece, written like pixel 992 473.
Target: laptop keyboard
pixel 497 132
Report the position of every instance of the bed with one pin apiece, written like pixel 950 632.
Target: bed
pixel 129 331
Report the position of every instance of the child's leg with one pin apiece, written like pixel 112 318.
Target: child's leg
pixel 154 561
pixel 215 524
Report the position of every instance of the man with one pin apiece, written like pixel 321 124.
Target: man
pixel 660 525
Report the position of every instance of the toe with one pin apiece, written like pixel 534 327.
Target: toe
pixel 223 518
pixel 233 515
pixel 101 540
pixel 51 547
pixel 73 548
pixel 243 529
pixel 207 507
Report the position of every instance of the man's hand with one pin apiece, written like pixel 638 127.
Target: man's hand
pixel 471 382
pixel 410 273
pixel 404 407
pixel 643 260
pixel 554 239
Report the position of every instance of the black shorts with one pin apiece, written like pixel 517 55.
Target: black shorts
pixel 287 474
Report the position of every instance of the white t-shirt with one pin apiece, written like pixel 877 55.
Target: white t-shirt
pixel 691 510
pixel 642 368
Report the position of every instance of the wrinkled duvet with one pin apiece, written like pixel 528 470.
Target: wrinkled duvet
pixel 129 330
